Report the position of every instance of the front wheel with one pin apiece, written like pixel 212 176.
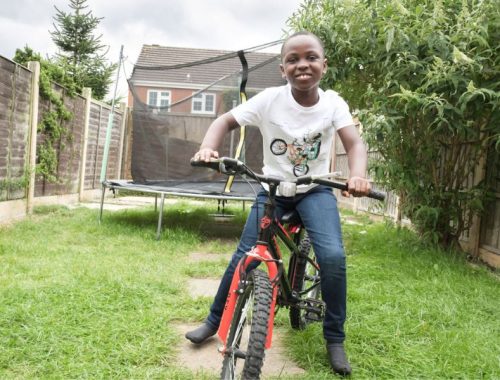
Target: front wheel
pixel 245 344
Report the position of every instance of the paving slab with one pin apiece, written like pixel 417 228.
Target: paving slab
pixel 203 287
pixel 197 257
pixel 205 358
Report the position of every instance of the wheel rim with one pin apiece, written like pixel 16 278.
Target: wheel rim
pixel 241 337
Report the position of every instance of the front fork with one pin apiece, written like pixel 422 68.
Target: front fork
pixel 260 253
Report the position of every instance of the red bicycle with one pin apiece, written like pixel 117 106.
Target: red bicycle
pixel 247 322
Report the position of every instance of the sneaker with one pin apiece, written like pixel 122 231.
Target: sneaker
pixel 201 334
pixel 338 359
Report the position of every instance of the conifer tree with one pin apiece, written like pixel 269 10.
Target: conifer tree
pixel 81 52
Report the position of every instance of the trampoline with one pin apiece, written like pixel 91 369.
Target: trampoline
pixel 167 133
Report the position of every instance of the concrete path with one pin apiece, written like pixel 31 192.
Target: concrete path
pixel 205 358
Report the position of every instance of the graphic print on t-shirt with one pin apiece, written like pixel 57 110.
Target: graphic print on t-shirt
pixel 299 152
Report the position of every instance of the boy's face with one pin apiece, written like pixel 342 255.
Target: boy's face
pixel 303 62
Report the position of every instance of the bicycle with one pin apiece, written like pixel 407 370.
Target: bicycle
pixel 247 322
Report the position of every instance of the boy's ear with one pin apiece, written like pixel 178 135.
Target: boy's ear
pixel 325 66
pixel 283 75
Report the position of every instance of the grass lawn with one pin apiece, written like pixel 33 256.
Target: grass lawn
pixel 83 300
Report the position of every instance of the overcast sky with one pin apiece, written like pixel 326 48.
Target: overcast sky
pixel 211 24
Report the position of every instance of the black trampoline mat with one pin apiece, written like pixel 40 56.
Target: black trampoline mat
pixel 240 190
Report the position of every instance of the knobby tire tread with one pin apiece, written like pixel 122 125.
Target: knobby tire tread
pixel 255 352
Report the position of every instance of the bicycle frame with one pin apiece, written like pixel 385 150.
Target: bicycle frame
pixel 266 250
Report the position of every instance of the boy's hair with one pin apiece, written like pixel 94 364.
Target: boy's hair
pixel 302 33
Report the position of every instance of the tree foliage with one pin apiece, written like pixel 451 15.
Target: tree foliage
pixel 81 51
pixel 425 77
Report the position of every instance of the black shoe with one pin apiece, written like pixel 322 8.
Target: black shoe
pixel 201 334
pixel 338 359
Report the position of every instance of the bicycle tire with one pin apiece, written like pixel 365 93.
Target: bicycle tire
pixel 248 331
pixel 303 273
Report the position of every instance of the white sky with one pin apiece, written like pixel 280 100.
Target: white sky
pixel 211 24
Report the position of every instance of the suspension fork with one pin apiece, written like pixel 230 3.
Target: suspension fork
pixel 259 253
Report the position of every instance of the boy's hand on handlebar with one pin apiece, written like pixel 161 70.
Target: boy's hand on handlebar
pixel 205 154
pixel 358 187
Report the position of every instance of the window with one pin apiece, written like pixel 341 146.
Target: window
pixel 203 103
pixel 158 98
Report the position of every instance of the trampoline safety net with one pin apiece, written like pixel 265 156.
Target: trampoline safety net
pixel 177 93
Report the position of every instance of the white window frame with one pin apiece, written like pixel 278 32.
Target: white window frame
pixel 160 95
pixel 202 98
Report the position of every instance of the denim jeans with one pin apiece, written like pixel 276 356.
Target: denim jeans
pixel 319 213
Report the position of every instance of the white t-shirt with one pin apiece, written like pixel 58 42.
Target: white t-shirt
pixel 297 140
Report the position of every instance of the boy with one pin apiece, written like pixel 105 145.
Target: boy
pixel 299 111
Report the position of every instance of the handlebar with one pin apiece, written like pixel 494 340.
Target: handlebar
pixel 232 166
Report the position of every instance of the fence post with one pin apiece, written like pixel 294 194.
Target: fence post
pixel 478 176
pixel 123 109
pixel 87 94
pixel 34 67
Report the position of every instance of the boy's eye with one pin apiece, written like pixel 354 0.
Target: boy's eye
pixel 313 57
pixel 291 60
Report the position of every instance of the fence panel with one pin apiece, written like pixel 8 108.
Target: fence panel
pixel 15 90
pixel 68 147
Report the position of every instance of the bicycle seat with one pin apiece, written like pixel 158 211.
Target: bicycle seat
pixel 291 217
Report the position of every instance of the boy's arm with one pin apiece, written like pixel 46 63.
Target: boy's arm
pixel 357 159
pixel 214 137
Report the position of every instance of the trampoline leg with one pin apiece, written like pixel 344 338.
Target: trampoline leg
pixel 102 203
pixel 156 202
pixel 160 217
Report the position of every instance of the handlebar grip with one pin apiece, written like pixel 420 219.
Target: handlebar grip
pixel 212 164
pixel 378 195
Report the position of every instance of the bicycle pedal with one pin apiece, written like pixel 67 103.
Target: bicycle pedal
pixel 314 310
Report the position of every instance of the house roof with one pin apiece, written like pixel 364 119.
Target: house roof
pixel 152 58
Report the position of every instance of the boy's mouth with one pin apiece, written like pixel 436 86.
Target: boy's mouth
pixel 303 76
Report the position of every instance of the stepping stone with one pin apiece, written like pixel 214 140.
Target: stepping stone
pixel 205 358
pixel 203 287
pixel 197 257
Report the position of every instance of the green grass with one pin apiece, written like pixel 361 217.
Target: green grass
pixel 83 300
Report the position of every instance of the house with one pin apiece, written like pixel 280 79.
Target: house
pixel 157 84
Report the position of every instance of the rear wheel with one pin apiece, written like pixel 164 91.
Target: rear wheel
pixel 245 348
pixel 305 281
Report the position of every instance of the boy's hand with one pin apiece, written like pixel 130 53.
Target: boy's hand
pixel 205 154
pixel 358 187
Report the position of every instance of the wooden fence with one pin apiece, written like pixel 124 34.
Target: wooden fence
pixel 79 154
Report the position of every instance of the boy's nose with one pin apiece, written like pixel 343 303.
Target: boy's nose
pixel 302 64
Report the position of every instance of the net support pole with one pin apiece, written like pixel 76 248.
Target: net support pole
pixel 243 98
pixel 110 123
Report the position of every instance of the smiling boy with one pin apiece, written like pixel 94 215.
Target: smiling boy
pixel 299 111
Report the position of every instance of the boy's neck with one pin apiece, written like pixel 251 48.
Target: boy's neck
pixel 306 98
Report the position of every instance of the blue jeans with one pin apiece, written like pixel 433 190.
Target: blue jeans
pixel 318 211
